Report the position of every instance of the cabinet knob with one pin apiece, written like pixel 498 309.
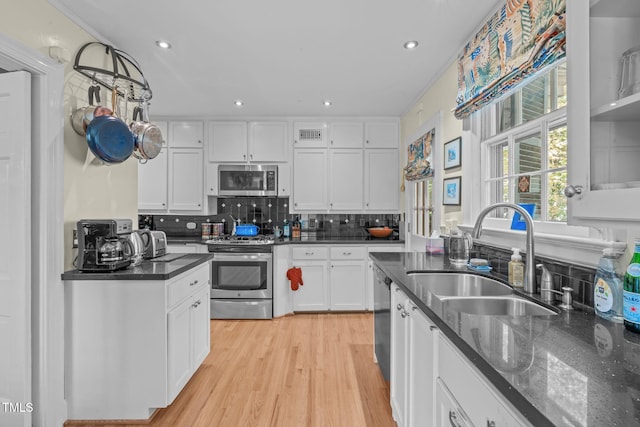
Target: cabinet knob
pixel 572 190
pixel 491 423
pixel 164 204
pixel 199 141
pixel 295 204
pixel 251 156
pixel 433 328
pixel 346 253
pixel 399 307
pixel 367 141
pixel 295 141
pixel 332 142
pixel 244 157
pixel 404 314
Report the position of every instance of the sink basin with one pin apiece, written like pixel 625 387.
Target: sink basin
pixel 460 284
pixel 495 306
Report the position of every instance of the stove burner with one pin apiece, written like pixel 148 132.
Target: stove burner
pixel 260 239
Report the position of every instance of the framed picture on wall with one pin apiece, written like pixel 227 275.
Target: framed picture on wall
pixel 452 153
pixel 451 191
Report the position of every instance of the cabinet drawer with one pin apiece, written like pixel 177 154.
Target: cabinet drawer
pixel 348 252
pixel 186 284
pixel 310 252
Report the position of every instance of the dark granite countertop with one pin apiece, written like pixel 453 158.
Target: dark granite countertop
pixel 148 270
pixel 314 240
pixel 571 369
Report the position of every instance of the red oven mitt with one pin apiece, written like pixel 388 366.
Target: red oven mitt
pixel 294 275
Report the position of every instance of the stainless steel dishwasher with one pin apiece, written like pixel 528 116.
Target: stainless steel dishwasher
pixel 382 320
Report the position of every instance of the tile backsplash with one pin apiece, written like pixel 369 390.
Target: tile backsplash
pixel 267 212
pixel 580 278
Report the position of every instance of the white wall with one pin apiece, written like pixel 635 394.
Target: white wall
pixel 90 190
pixel 439 98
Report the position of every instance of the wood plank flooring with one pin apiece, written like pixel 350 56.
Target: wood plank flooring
pixel 302 370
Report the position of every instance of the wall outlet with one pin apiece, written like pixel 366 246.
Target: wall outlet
pixel 74 238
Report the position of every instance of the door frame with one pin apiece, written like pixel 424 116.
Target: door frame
pixel 47 224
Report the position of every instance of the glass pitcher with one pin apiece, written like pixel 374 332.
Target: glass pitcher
pixel 459 246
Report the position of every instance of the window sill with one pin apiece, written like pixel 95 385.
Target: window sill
pixel 584 251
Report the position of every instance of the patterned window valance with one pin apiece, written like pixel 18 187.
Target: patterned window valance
pixel 522 37
pixel 419 158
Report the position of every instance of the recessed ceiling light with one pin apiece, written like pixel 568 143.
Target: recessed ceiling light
pixel 163 44
pixel 411 44
pixel 327 103
pixel 238 103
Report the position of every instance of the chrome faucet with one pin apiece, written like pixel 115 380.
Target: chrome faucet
pixel 530 273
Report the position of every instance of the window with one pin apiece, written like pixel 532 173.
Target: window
pixel 422 207
pixel 525 145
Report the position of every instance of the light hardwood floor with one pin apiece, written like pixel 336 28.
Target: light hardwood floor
pixel 302 370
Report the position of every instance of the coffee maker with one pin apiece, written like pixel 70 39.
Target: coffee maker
pixel 104 244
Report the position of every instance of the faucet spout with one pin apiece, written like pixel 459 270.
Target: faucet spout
pixel 530 273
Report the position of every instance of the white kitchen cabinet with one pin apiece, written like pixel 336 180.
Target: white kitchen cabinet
pixel 310 180
pixel 381 134
pixel 399 357
pixel 152 183
pixel 346 180
pixel 346 134
pixel 313 295
pixel 347 278
pixel 188 339
pixel 603 131
pixel 211 185
pixel 413 362
pixel 186 134
pixel 448 412
pixel 186 179
pixel 268 141
pixel 227 142
pixel 310 135
pixel 482 405
pixel 381 180
pixel 151 340
pixel 284 180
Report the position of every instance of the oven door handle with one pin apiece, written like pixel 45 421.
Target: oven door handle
pixel 240 257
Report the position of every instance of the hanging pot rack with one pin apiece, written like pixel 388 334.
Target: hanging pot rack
pixel 125 71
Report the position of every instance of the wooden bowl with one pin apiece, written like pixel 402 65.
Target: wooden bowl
pixel 380 231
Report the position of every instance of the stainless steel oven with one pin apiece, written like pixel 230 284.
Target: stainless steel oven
pixel 247 180
pixel 241 281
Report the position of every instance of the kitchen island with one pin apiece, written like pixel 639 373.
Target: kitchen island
pixel 571 368
pixel 134 337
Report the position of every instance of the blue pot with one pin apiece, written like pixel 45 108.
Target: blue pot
pixel 247 230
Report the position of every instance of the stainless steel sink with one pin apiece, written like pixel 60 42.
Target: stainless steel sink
pixel 495 306
pixel 460 284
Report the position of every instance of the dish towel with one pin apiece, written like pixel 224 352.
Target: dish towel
pixel 294 275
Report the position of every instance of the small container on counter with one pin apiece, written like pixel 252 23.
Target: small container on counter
pixel 206 230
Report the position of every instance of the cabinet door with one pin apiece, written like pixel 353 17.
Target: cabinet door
pixel 268 142
pixel 179 348
pixel 381 135
pixel 186 134
pixel 421 368
pixel 212 179
pixel 381 183
pixel 185 179
pixel 228 142
pixel 399 347
pixel 603 124
pixel 313 295
pixel 448 412
pixel 345 135
pixel 284 180
pixel 310 179
pixel 309 135
pixel 347 285
pixel 346 179
pixel 152 183
pixel 200 324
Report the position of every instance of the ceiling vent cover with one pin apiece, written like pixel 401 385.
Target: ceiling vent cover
pixel 310 135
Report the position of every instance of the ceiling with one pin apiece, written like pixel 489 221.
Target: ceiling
pixel 284 57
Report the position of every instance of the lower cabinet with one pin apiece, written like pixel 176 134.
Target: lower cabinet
pixel 132 345
pixel 187 248
pixel 313 295
pixel 448 410
pixel 413 362
pixel 476 399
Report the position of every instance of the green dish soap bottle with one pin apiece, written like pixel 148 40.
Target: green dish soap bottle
pixel 631 295
pixel 608 288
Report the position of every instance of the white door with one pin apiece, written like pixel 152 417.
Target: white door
pixel 346 178
pixel 15 277
pixel 152 183
pixel 268 141
pixel 381 184
pixel 310 179
pixel 186 179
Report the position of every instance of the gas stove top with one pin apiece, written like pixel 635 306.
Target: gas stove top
pixel 260 239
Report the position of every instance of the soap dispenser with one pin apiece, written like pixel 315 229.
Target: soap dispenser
pixel 516 269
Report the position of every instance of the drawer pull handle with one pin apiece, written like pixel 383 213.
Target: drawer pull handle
pixel 433 328
pixel 346 253
pixel 453 419
pixel 308 253
pixel 491 423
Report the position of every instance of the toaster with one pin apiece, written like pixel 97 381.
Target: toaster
pixel 157 246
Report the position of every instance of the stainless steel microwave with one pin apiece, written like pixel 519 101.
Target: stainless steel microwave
pixel 247 180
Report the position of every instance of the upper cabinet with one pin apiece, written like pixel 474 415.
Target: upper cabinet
pixel 186 134
pixel 346 135
pixel 239 142
pixel 603 115
pixel 381 135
